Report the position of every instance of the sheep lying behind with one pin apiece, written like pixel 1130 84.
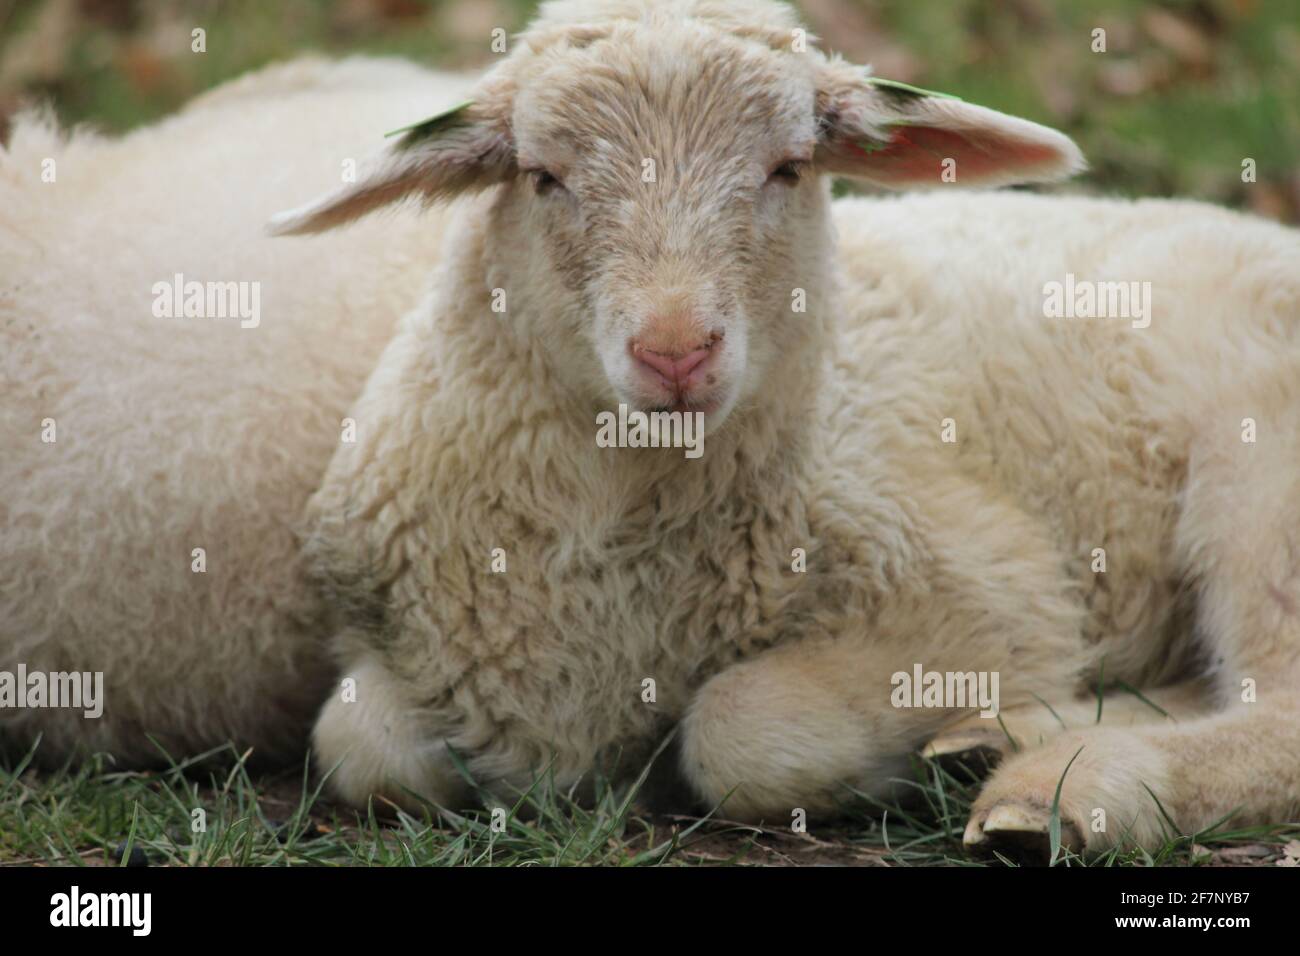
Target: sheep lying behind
pixel 925 461
pixel 154 465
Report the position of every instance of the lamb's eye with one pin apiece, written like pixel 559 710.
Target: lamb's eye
pixel 789 172
pixel 544 181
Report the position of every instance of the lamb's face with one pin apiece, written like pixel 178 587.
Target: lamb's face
pixel 660 217
pixel 666 180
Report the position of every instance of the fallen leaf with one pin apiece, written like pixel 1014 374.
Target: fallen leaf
pixel 1180 37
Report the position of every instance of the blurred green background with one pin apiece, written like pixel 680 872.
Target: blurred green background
pixel 1185 91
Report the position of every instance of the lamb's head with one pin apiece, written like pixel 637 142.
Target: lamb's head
pixel 661 208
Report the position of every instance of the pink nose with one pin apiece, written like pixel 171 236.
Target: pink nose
pixel 675 369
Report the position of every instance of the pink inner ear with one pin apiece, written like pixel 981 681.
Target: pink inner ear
pixel 915 154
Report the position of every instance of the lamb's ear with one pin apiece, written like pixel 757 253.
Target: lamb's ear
pixel 467 147
pixel 900 136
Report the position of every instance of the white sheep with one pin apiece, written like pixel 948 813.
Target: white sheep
pixel 137 449
pixel 909 466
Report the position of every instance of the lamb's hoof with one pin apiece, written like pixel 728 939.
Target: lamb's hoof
pixel 977 750
pixel 1020 832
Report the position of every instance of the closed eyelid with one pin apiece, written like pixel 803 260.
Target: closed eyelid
pixel 793 159
pixel 529 161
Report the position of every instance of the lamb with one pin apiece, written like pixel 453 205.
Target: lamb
pixel 920 469
pixel 907 466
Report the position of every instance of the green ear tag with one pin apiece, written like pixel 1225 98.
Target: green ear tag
pixel 870 145
pixel 427 126
pixel 907 89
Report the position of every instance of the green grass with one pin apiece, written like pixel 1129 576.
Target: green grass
pixel 83 816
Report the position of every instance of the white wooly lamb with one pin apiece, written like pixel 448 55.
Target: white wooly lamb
pixel 171 434
pixel 920 470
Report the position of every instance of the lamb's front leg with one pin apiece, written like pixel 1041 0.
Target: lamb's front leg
pixel 374 738
pixel 794 728
pixel 803 725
